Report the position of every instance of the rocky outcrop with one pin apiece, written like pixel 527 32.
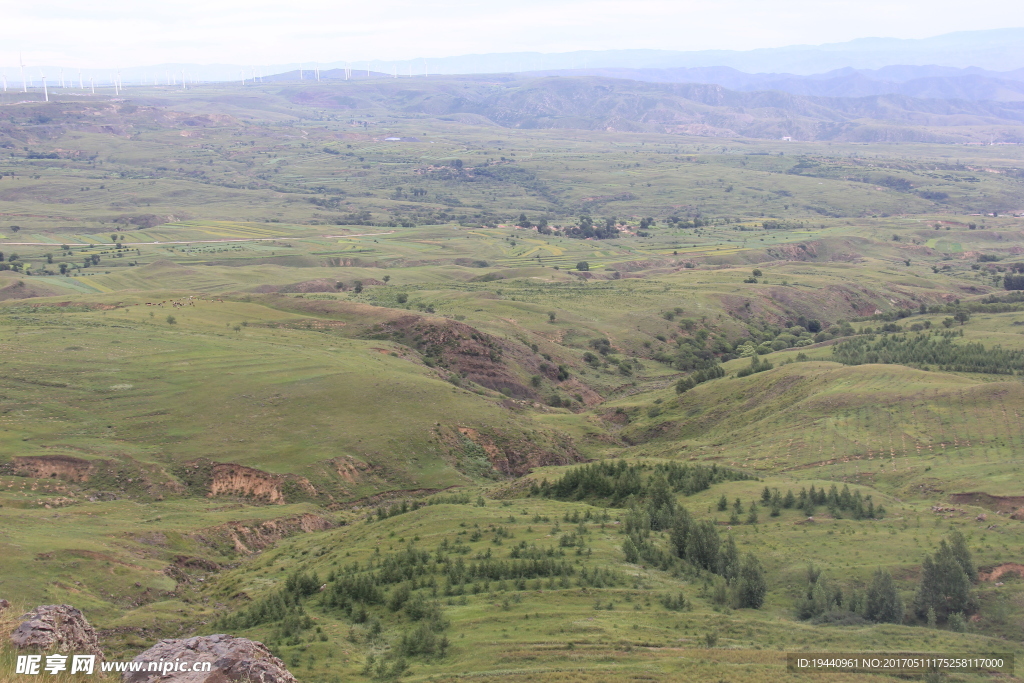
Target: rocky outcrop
pixel 56 627
pixel 230 659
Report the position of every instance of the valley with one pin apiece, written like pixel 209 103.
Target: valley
pixel 318 366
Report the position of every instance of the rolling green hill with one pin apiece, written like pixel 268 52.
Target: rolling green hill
pixel 245 356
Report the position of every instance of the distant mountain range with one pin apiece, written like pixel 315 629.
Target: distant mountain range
pixel 991 51
pixel 924 82
pixel 600 103
pixel 931 82
pixel 996 50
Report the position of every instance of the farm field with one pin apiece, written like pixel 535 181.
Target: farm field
pixel 264 372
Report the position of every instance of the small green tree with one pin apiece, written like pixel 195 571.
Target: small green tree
pixel 729 559
pixel 358 288
pixel 957 622
pixel 958 546
pixel 723 503
pixel 171 320
pixel 751 587
pixel 945 586
pixel 884 603
pixel 684 385
pixel 583 266
pixel 630 550
pixel 702 544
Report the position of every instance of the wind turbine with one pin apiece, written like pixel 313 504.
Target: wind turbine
pixel 5 80
pixel 46 95
pixel 183 80
pixel 24 83
pixel 81 86
pixel 92 84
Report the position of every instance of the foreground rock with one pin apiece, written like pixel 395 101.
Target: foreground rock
pixel 231 659
pixel 56 627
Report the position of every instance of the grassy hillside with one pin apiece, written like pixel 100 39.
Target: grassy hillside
pixel 300 348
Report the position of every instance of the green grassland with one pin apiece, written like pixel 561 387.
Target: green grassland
pixel 271 321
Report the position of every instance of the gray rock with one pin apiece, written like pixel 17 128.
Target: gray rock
pixel 232 659
pixel 56 627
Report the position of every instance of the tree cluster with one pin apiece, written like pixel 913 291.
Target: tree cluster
pixel 703 375
pixel 757 364
pixel 837 502
pixel 825 600
pixel 615 482
pixel 930 351
pixel 587 229
pixel 697 543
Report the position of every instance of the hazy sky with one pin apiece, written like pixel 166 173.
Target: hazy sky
pixel 103 33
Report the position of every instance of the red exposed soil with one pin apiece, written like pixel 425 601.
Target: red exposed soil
pixel 52 467
pixel 230 479
pixel 985 500
pixel 516 455
pixel 463 350
pixel 995 573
